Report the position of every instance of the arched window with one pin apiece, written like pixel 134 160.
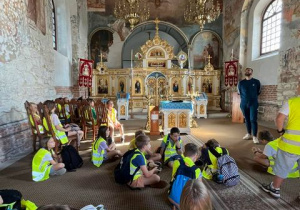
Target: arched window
pixel 271 27
pixel 54 40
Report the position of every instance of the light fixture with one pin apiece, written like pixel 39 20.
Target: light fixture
pixel 202 11
pixel 133 11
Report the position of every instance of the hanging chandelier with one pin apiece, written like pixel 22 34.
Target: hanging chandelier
pixel 133 11
pixel 202 11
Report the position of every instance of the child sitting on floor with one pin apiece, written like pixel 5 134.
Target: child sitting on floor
pixel 101 152
pixel 184 170
pixel 45 163
pixel 150 156
pixel 209 160
pixel 195 196
pixel 143 176
pixel 171 147
pixel 268 156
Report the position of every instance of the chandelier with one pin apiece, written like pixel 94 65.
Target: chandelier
pixel 133 11
pixel 202 11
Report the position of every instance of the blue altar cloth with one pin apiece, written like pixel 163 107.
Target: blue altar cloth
pixel 176 105
pixel 104 100
pixel 202 96
pixel 127 95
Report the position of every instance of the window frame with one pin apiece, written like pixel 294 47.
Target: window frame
pixel 263 19
pixel 53 20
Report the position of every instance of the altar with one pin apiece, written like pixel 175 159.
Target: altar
pixel 157 75
pixel 176 114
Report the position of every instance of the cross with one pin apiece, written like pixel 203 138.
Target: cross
pixel 156 21
pixel 209 57
pixel 100 56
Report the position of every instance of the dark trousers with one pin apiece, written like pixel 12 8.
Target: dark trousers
pixel 249 110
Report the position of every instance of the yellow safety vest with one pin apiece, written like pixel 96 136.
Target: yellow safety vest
pixel 112 115
pixel 133 167
pixel 41 128
pixel 67 113
pixel 40 170
pixel 290 141
pixel 295 171
pixel 170 149
pixel 59 134
pixel 97 158
pixel 209 169
pixel 188 162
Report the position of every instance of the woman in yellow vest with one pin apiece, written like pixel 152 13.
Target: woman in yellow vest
pixel 35 118
pixel 268 156
pixel 62 133
pixel 45 163
pixel 100 151
pixel 113 123
pixel 209 160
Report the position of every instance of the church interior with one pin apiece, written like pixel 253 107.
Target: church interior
pixel 164 64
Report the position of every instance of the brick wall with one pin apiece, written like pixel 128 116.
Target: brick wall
pixel 64 91
pixel 268 93
pixel 15 139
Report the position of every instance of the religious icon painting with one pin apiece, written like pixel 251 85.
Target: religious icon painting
pixel 102 85
pixel 175 85
pixel 137 86
pixel 138 56
pixel 122 85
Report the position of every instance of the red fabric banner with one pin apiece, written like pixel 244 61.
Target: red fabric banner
pixel 85 72
pixel 231 73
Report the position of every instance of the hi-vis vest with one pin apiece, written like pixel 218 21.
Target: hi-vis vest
pixel 209 169
pixel 295 171
pixel 67 113
pixel 41 128
pixel 133 167
pixel 112 115
pixel 40 170
pixel 290 141
pixel 97 158
pixel 59 134
pixel 170 149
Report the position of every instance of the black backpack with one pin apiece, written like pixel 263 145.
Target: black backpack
pixel 12 197
pixel 71 158
pixel 122 170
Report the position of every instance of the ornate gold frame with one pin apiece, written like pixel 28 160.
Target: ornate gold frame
pixel 105 82
pixel 142 85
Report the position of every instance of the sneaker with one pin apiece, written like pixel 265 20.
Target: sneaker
pixel 255 140
pixel 247 137
pixel 122 140
pixel 269 189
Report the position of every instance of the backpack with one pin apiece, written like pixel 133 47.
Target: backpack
pixel 122 170
pixel 183 174
pixel 71 158
pixel 11 199
pixel 227 168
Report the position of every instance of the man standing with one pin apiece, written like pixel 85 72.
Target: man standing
pixel 249 89
pixel 288 146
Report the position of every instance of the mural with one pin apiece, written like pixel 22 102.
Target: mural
pixel 96 5
pixel 138 86
pixel 122 85
pixel 36 12
pixel 204 44
pixel 100 43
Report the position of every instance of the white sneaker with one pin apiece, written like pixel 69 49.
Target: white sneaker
pixel 247 137
pixel 255 140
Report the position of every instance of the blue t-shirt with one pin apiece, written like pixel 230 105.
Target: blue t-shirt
pixel 139 161
pixel 249 90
